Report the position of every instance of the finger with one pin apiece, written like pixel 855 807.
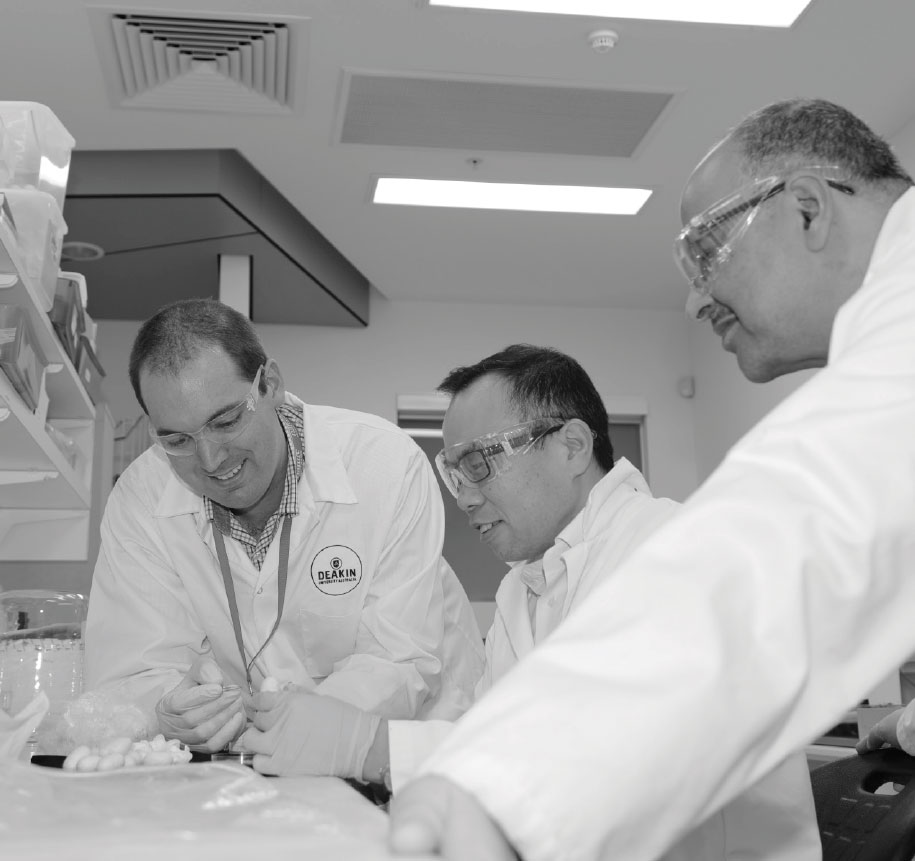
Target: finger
pixel 433 815
pixel 205 670
pixel 227 733
pixel 201 725
pixel 882 732
pixel 209 708
pixel 263 764
pixel 266 721
pixel 185 699
pixel 417 822
pixel 252 740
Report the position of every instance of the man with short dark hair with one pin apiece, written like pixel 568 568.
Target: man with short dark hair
pixel 781 592
pixel 529 460
pixel 262 537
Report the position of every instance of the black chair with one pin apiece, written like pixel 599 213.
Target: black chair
pixel 855 823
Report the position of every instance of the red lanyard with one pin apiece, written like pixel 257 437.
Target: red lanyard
pixel 233 603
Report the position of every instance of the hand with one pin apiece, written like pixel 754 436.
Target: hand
pixel 897 729
pixel 199 711
pixel 296 732
pixel 434 816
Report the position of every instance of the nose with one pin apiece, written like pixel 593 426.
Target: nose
pixel 469 497
pixel 209 454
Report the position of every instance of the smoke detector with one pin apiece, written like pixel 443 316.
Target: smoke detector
pixel 602 41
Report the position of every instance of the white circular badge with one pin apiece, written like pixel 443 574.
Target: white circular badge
pixel 336 570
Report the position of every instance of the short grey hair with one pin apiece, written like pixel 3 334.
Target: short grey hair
pixel 798 132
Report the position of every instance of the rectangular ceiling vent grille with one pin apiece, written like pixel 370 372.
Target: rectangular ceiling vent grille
pixel 478 115
pixel 211 64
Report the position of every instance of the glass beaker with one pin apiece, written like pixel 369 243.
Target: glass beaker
pixel 41 649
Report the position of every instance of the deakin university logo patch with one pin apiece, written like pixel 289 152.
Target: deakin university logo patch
pixel 336 570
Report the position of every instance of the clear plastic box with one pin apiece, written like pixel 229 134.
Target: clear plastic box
pixel 67 311
pixel 35 149
pixel 20 357
pixel 89 369
pixel 39 229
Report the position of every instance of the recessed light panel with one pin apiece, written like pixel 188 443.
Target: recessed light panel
pixel 758 13
pixel 594 200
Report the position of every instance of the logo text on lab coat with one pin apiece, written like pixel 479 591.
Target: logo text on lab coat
pixel 336 570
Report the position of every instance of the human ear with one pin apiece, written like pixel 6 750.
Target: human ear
pixel 809 195
pixel 579 443
pixel 273 377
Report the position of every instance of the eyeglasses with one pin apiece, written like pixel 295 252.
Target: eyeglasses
pixel 219 429
pixel 485 457
pixel 706 242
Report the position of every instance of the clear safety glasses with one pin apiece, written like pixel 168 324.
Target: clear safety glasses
pixel 482 459
pixel 219 429
pixel 706 242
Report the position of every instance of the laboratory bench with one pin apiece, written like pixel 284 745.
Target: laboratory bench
pixel 199 811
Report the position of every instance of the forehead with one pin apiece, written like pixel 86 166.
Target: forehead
pixel 718 175
pixel 482 408
pixel 203 386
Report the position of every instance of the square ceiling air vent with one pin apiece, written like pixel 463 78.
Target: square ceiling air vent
pixel 477 115
pixel 177 62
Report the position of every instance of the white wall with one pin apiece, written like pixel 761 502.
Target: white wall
pixel 726 404
pixel 408 347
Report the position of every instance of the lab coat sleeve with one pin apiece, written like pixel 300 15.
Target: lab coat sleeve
pixel 778 595
pixel 140 636
pixel 410 742
pixel 397 664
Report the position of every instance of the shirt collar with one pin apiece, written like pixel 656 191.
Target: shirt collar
pixel 325 477
pixel 543 573
pixel 291 421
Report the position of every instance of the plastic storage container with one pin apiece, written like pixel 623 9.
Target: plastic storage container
pixel 21 358
pixel 41 649
pixel 67 311
pixel 89 369
pixel 35 149
pixel 39 229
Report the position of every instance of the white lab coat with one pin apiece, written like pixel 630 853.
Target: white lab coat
pixel 619 516
pixel 398 637
pixel 777 597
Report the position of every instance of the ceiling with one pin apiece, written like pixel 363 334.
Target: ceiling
pixel 395 88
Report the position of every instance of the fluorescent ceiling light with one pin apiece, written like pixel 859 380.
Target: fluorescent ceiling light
pixel 759 13
pixel 505 195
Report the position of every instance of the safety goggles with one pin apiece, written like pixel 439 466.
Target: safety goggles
pixel 486 457
pixel 707 241
pixel 219 429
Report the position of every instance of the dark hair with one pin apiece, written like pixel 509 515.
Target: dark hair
pixel 798 132
pixel 543 382
pixel 177 333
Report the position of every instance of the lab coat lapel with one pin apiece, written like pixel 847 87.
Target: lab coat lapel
pixel 513 606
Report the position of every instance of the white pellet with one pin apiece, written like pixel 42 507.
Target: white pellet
pixel 88 763
pixel 75 756
pixel 110 762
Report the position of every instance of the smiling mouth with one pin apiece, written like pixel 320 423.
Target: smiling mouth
pixel 484 528
pixel 722 319
pixel 228 476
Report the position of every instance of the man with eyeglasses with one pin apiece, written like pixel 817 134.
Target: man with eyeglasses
pixel 262 537
pixel 782 591
pixel 529 460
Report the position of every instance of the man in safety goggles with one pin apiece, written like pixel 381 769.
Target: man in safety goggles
pixel 263 537
pixel 529 460
pixel 781 592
